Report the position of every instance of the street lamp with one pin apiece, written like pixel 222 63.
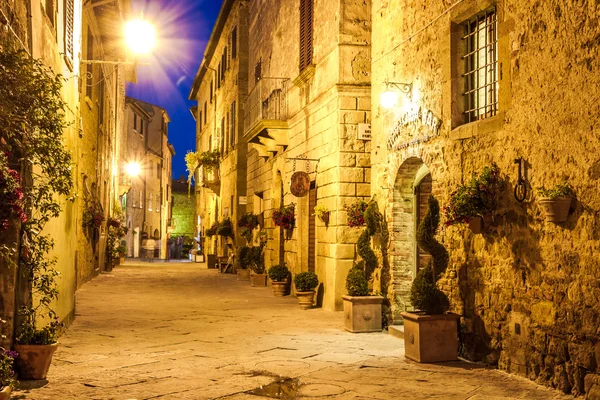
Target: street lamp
pixel 389 98
pixel 133 169
pixel 140 36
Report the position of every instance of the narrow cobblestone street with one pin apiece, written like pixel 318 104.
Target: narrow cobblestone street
pixel 172 331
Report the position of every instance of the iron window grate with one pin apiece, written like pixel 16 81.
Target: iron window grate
pixel 481 66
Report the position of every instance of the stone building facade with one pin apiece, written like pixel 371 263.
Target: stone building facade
pixel 309 80
pixel 220 88
pixel 147 203
pixel 65 35
pixel 184 209
pixel 526 289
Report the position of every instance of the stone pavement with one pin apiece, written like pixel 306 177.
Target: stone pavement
pixel 174 331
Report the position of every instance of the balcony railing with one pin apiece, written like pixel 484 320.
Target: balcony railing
pixel 267 101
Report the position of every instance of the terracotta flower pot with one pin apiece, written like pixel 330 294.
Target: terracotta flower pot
pixel 479 224
pixel 362 313
pixel 258 280
pixel 306 299
pixel 5 393
pixel 243 274
pixel 34 360
pixel 430 338
pixel 325 218
pixel 556 209
pixel 279 288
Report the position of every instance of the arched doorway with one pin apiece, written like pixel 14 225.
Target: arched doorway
pixel 412 187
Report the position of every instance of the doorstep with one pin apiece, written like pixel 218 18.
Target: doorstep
pixel 396 331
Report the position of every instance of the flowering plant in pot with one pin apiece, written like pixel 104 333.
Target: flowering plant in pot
pixel 11 194
pixel 7 372
pixel 430 334
pixel 248 222
pixel 243 272
pixel 474 202
pixel 279 277
pixel 362 311
pixel 356 213
pixel 258 277
pixel 285 217
pixel 305 283
pixel 556 202
pixel 322 213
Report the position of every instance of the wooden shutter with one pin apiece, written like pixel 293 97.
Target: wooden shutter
pixel 233 128
pixel 69 26
pixel 234 43
pixel 258 72
pixel 306 33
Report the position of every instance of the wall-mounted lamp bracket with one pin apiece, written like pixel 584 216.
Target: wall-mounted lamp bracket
pixel 405 88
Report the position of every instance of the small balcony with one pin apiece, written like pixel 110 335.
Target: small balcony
pixel 210 178
pixel 266 115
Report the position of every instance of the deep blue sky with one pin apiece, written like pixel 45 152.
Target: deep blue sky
pixel 183 29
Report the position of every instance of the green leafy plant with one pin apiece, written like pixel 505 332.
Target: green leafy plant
pixel 11 195
pixel 248 222
pixel 278 273
pixel 306 281
pixel 32 122
pixel 212 231
pixel 356 213
pixel 364 240
pixel 255 259
pixel 285 217
pixel 425 295
pixel 7 369
pixel 207 159
pixel 321 211
pixel 243 257
pixel 356 282
pixel 225 228
pixel 561 190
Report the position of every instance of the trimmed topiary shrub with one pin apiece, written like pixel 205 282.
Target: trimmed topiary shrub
pixel 255 259
pixel 278 273
pixel 356 283
pixel 364 240
pixel 243 262
pixel 306 281
pixel 424 294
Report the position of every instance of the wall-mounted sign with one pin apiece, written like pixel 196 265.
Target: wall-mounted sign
pixel 364 131
pixel 398 139
pixel 243 200
pixel 300 184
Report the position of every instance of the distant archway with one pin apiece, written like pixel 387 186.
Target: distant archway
pixel 407 208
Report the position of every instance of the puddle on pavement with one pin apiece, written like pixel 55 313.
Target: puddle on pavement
pixel 285 389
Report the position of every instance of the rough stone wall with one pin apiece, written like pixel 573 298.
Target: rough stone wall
pixel 325 106
pixel 527 289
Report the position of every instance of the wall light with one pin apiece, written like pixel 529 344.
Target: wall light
pixel 389 98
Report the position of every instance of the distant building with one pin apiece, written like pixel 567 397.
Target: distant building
pixel 147 203
pixel 184 209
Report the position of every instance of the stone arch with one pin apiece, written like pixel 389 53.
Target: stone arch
pixel 403 238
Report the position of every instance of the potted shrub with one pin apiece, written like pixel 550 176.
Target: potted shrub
pixel 305 283
pixel 225 228
pixel 243 272
pixel 279 277
pixel 36 346
pixel 7 372
pixel 285 217
pixel 248 222
pixel 258 278
pixel 474 202
pixel 556 202
pixel 322 213
pixel 430 334
pixel 356 213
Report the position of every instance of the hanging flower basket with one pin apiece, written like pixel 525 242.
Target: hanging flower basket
pixel 225 228
pixel 212 231
pixel 285 217
pixel 93 215
pixel 248 222
pixel 556 202
pixel 356 213
pixel 474 202
pixel 322 213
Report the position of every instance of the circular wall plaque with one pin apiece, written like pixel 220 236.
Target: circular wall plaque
pixel 300 184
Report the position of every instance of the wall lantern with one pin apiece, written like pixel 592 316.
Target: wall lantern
pixel 389 98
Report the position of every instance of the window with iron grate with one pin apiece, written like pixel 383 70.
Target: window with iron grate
pixel 481 66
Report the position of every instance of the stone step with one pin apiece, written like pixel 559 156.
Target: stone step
pixel 396 331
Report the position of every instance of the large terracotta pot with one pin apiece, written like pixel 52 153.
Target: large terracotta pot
pixel 306 299
pixel 34 360
pixel 430 338
pixel 556 209
pixel 5 393
pixel 258 280
pixel 362 313
pixel 243 274
pixel 279 288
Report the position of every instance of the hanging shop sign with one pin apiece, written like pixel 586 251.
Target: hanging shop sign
pixel 364 131
pixel 421 116
pixel 300 184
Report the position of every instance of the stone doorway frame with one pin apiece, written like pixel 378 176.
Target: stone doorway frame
pixel 409 174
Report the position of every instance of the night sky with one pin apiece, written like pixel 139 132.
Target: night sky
pixel 183 28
